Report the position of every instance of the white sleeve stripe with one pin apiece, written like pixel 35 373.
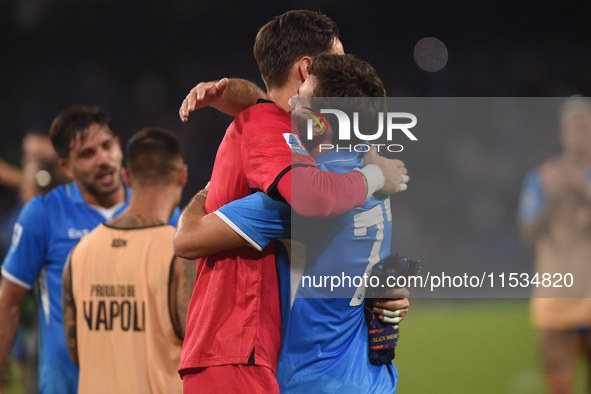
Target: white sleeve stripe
pixel 238 230
pixel 15 280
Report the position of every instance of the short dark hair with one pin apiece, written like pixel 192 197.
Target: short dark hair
pixel 153 155
pixel 73 121
pixel 281 42
pixel 346 76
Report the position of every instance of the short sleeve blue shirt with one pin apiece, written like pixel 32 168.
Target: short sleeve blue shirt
pixel 47 229
pixel 258 219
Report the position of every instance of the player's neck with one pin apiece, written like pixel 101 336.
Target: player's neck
pixel 147 207
pixel 281 96
pixel 103 200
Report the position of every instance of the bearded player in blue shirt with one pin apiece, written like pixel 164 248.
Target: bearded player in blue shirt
pixel 324 340
pixel 50 226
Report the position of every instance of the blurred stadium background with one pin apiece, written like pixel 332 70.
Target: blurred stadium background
pixel 138 60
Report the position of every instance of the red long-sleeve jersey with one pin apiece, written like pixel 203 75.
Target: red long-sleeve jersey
pixel 234 314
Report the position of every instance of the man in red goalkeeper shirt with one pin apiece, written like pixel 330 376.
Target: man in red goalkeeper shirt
pixel 234 323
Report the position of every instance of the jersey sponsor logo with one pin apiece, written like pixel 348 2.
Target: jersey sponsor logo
pixel 16 234
pixel 110 315
pixel 119 242
pixel 112 290
pixel 75 233
pixel 126 313
pixel 294 143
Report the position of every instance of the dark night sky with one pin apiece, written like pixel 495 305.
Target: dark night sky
pixel 56 53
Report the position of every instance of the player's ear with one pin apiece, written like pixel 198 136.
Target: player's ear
pixel 318 129
pixel 303 64
pixel 64 164
pixel 183 174
pixel 126 177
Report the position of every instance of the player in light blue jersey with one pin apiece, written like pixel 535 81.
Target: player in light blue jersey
pixel 50 226
pixel 332 331
pixel 324 340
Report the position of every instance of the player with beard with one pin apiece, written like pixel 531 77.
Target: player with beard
pixel 125 295
pixel 50 226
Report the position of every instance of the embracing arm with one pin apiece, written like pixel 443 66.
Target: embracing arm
pixel 230 96
pixel 199 234
pixel 322 194
pixel 69 312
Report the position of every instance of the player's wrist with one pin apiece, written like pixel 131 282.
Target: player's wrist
pixel 374 179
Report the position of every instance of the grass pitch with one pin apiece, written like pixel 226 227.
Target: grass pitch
pixel 476 346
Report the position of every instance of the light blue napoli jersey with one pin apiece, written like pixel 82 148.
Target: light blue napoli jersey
pixel 324 340
pixel 47 229
pixel 258 219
